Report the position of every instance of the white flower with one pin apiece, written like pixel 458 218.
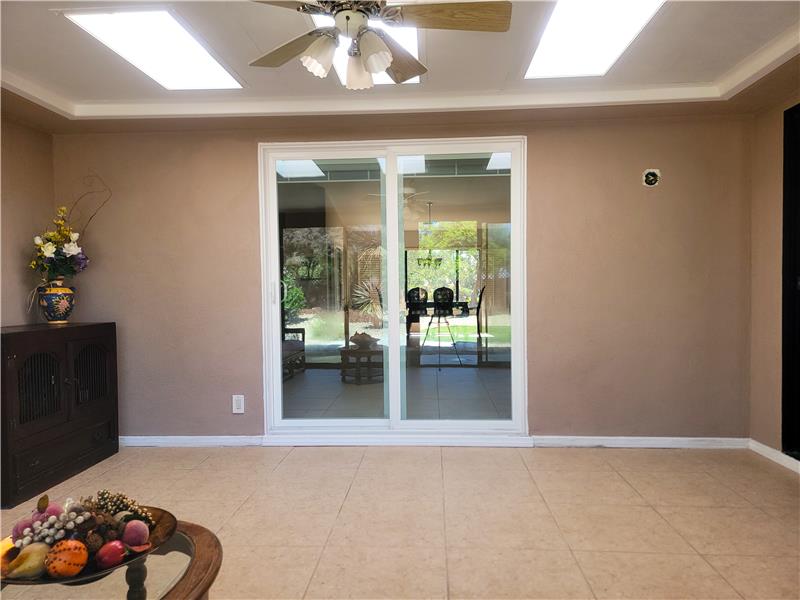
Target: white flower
pixel 74 236
pixel 49 250
pixel 71 249
pixel 38 241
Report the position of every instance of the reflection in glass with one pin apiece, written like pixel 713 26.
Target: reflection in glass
pixel 330 222
pixel 455 270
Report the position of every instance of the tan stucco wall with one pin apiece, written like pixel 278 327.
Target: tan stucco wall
pixel 637 298
pixel 26 209
pixel 767 233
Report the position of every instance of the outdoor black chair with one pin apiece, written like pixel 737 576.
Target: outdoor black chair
pixel 416 305
pixel 442 308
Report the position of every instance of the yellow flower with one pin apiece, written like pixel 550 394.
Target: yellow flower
pixel 33 265
pixel 62 211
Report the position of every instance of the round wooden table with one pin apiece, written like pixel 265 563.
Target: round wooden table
pixel 205 550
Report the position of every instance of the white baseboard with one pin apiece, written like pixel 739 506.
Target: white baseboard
pixel 590 441
pixel 498 440
pixel 775 455
pixel 423 439
pixel 189 441
pixel 397 439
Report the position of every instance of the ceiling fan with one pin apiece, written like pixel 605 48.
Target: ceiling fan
pixel 373 50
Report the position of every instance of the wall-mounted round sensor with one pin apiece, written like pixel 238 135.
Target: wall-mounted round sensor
pixel 651 177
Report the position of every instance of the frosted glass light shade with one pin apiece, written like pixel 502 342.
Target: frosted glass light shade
pixel 374 52
pixel 358 78
pixel 318 59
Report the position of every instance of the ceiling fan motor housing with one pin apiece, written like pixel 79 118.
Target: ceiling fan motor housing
pixel 348 22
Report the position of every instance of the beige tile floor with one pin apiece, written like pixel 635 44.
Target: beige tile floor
pixel 429 522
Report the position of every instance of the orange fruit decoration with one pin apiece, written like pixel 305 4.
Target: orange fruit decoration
pixel 66 558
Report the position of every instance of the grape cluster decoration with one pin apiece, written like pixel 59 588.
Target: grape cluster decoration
pixel 115 503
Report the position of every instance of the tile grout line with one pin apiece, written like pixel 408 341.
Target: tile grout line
pixel 333 525
pixel 444 529
pixel 250 495
pixel 555 520
pixel 680 535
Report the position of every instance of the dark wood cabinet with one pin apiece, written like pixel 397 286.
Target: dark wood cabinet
pixel 59 404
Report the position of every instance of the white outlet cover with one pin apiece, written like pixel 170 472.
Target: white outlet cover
pixel 237 404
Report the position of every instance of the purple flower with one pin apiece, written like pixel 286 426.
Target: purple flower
pixel 80 262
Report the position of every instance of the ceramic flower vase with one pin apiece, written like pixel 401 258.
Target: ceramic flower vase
pixel 56 301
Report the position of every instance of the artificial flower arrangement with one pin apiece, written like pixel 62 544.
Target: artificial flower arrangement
pixel 61 541
pixel 58 254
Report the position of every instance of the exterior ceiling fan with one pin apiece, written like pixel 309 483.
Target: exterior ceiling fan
pixel 373 50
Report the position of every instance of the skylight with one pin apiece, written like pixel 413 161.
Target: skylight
pixel 500 161
pixel 298 168
pixel 586 37
pixel 406 164
pixel 411 164
pixel 405 36
pixel 157 44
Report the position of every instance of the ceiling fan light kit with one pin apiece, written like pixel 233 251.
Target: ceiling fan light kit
pixel 318 58
pixel 373 51
pixel 358 78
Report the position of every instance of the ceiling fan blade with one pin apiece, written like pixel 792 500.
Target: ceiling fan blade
pixel 283 54
pixel 299 6
pixel 404 66
pixel 463 16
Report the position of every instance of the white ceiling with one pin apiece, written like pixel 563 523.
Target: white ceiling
pixel 689 51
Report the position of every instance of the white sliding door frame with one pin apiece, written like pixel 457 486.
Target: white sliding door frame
pixel 394 427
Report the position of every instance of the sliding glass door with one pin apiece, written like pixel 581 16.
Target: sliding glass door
pixel 456 272
pixel 332 265
pixel 394 286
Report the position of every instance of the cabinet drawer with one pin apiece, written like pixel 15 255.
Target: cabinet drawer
pixel 32 463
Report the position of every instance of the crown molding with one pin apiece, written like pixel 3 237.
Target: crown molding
pixel 299 106
pixel 39 94
pixel 755 66
pixel 768 58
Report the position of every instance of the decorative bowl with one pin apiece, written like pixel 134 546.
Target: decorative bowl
pixel 163 529
pixel 363 340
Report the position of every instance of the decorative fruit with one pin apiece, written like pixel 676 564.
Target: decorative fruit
pixel 30 562
pixel 52 528
pixel 8 553
pixel 94 541
pixel 110 555
pixel 136 533
pixel 20 526
pixel 46 509
pixel 114 503
pixel 66 559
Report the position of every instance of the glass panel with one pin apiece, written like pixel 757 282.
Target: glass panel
pixel 455 237
pixel 332 257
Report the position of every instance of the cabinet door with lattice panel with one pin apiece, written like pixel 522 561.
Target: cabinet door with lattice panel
pixel 90 380
pixel 34 380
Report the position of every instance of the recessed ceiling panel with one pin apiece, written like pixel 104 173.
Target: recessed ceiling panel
pixel 686 44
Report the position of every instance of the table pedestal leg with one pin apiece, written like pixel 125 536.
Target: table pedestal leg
pixel 135 576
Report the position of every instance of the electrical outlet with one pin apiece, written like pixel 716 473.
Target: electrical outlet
pixel 237 404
